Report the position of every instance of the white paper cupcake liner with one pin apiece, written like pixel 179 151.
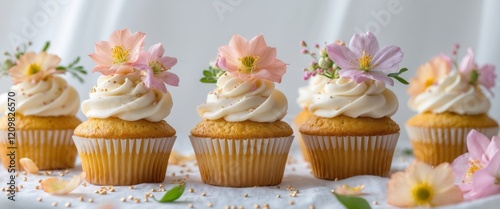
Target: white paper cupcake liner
pixel 49 149
pixel 241 162
pixel 339 157
pixel 124 161
pixel 438 145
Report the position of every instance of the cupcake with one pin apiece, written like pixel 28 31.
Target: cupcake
pixel 39 112
pixel 125 140
pixel 241 141
pixel 450 103
pixel 315 85
pixel 351 132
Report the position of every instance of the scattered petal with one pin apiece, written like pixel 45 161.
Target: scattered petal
pixel 28 165
pixel 348 190
pixel 57 186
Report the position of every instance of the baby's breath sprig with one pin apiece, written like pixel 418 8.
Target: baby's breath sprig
pixel 212 74
pixel 321 64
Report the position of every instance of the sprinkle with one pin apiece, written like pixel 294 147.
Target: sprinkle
pixel 123 199
pixel 102 191
pixel 39 180
pixel 54 204
pixel 191 190
pixel 255 206
pixel 131 187
pixel 84 184
pixel 336 179
pixel 17 189
pixel 203 194
pixel 266 206
pixel 311 207
pixel 25 179
pixel 3 189
pixel 146 199
pixel 137 200
pixel 278 196
pixel 173 174
pixel 91 200
pixel 226 207
pixel 66 171
pixel 130 197
pixel 161 185
pixel 375 202
pixel 233 207
pixel 240 207
pixel 153 190
pixel 112 189
pixel 209 204
pixel 190 205
pixel 24 172
pixel 80 198
pixel 245 195
pixel 333 191
pixel 67 205
pixel 39 199
pixel 61 174
pixel 291 202
pixel 21 186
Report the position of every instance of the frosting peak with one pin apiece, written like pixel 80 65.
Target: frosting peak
pixel 452 93
pixel 126 97
pixel 235 100
pixel 49 97
pixel 343 96
pixel 315 85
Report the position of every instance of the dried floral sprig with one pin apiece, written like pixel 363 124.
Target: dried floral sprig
pixel 212 74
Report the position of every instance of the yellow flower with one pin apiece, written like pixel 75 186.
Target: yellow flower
pixel 422 185
pixel 34 67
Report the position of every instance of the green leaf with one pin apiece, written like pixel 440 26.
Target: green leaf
pixel 208 80
pixel 61 68
pixel 46 46
pixel 172 194
pixel 352 202
pixel 207 73
pixel 402 80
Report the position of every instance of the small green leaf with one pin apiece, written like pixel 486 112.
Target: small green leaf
pixel 46 46
pixel 352 202
pixel 61 68
pixel 172 194
pixel 208 80
pixel 408 152
pixel 207 73
pixel 403 70
pixel 402 80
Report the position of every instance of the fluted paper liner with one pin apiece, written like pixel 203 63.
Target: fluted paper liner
pixel 437 145
pixel 49 149
pixel 124 161
pixel 241 162
pixel 339 157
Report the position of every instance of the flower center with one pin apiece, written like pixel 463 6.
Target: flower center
pixel 474 165
pixel 422 193
pixel 33 69
pixel 365 61
pixel 248 64
pixel 119 54
pixel 429 82
pixel 474 75
pixel 157 67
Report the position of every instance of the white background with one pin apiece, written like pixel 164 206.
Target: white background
pixel 193 30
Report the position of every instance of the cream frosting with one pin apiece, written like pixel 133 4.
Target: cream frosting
pixel 126 97
pixel 236 100
pixel 49 97
pixel 315 85
pixel 454 94
pixel 343 96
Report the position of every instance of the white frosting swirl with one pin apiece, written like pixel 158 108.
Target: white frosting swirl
pixel 239 100
pixel 344 97
pixel 126 97
pixel 454 94
pixel 316 84
pixel 50 97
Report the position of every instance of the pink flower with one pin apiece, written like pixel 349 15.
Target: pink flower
pixel 478 169
pixel 429 73
pixel 422 185
pixel 365 60
pixel 156 67
pixel 485 75
pixel 251 59
pixel 119 54
pixel 34 67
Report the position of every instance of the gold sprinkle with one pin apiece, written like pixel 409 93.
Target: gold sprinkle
pixel 123 199
pixel 80 198
pixel 333 191
pixel 311 207
pixel 66 171
pixel 3 189
pixel 173 174
pixel 67 205
pixel 255 206
pixel 130 197
pixel 112 189
pixel 21 186
pixel 291 202
pixel 190 205
pixel 191 190
pixel 84 184
pixel 240 207
pixel 245 195
pixel 61 174
pixel 25 179
pixel 203 194
pixel 226 207
pixel 146 199
pixel 17 174
pixel 278 196
pixel 91 200
pixel 17 189
pixel 131 187
pixel 37 187
pixel 336 179
pixel 375 202
pixel 233 207
pixel 49 172
pixel 39 199
pixel 54 204
pixel 39 180
pixel 161 185
pixel 137 200
pixel 46 173
pixel 24 172
pixel 209 204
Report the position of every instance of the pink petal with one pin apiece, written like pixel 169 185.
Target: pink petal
pixel 156 51
pixel 484 180
pixel 135 43
pixel 143 60
pixel 388 59
pixel 119 37
pixel 273 72
pixel 366 42
pixel 476 144
pixel 379 76
pixel 357 76
pixel 342 56
pixel 230 58
pixel 168 62
pixel 123 69
pixel 104 70
pixel 56 186
pixel 222 63
pixel 152 82
pixel 491 150
pixel 461 165
pixel 487 76
pixel 238 46
pixel 170 78
pixel 468 64
pixel 258 45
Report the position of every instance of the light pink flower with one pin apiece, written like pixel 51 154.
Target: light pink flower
pixel 251 59
pixel 365 60
pixel 422 185
pixel 477 169
pixel 119 54
pixel 156 67
pixel 34 67
pixel 485 75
